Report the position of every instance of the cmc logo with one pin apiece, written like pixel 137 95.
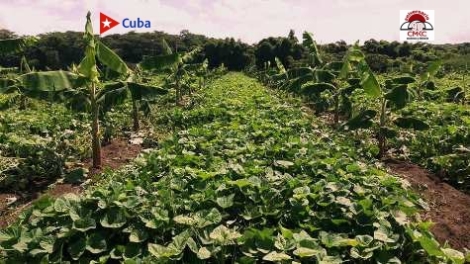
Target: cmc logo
pixel 107 23
pixel 417 25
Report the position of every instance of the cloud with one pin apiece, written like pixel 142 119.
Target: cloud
pixel 249 20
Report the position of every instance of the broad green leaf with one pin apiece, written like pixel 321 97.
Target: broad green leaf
pixel 160 251
pixel 403 80
pixel 382 234
pixel 274 256
pixel 192 245
pixel 132 250
pixel 298 72
pixel 295 85
pixel 160 62
pixel 114 218
pixel 364 240
pixel 388 132
pixel 8 46
pixel 51 81
pixel 324 76
pixel 87 67
pixel 455 255
pixel 166 48
pixel 117 252
pixel 141 91
pixel 138 235
pixel 7 86
pixel 24 66
pixel 203 253
pixel 179 241
pixel 281 243
pixel 429 244
pixel 61 205
pixel 280 66
pixel 9 233
pixel 398 96
pixel 37 251
pixel 47 243
pixel 362 120
pixel 96 243
pixel 106 56
pixel 284 163
pixel 77 247
pixel 311 45
pixel 369 81
pixel 354 55
pixel 431 70
pixel 225 201
pixel 131 202
pixel 187 57
pixel 224 236
pixel 304 252
pixel 331 260
pixel 336 240
pixel 358 253
pixel 316 88
pixel 185 220
pixel 112 95
pixel 84 224
pixel 303 239
pixel 410 122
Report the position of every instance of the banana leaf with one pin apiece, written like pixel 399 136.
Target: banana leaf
pixel 50 81
pixel 110 59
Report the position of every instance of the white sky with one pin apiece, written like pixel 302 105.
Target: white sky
pixel 248 20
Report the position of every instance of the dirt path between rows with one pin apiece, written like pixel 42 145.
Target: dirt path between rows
pixel 449 207
pixel 118 153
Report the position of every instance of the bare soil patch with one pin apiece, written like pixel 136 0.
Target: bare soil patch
pixel 116 154
pixel 449 207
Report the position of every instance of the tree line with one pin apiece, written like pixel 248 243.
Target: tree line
pixel 59 50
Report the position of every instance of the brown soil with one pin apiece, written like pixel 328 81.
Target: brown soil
pixel 449 208
pixel 119 152
pixel 116 154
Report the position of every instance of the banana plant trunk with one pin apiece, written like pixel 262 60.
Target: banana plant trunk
pixel 464 100
pixel 178 92
pixel 336 99
pixel 382 137
pixel 135 115
pixel 95 137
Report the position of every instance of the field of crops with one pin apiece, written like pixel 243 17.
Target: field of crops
pixel 172 160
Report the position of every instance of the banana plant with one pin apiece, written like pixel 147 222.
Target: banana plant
pixel 426 78
pixel 311 82
pixel 311 45
pixel 79 87
pixel 140 94
pixel 464 83
pixel 391 96
pixel 179 67
pixel 18 45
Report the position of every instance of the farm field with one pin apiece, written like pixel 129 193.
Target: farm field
pixel 247 175
pixel 216 151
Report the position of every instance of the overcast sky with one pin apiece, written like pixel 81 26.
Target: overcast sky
pixel 248 20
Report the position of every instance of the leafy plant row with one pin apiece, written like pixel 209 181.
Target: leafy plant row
pixel 247 178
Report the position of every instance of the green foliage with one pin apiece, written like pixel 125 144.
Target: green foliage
pixel 443 148
pixel 247 178
pixel 38 142
pixel 15 45
pixel 361 120
pixel 310 44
